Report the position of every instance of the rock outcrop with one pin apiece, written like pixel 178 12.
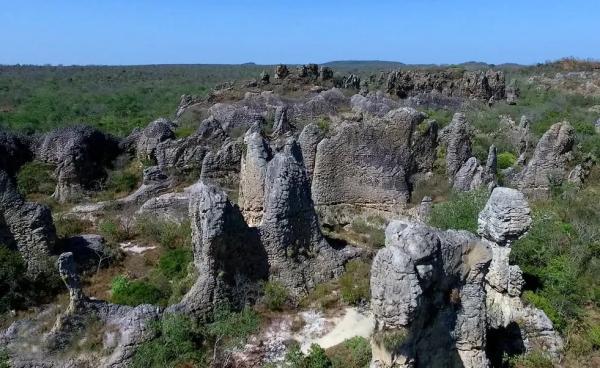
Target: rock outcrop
pixel 309 139
pixel 472 175
pixel 236 119
pixel 27 227
pixel 227 254
pixel 81 154
pixel 448 298
pixel 151 136
pixel 374 103
pixel 252 175
pixel 14 152
pixel 450 83
pixel 548 165
pixel 457 138
pixel 369 164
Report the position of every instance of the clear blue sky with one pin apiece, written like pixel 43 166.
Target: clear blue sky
pixel 226 31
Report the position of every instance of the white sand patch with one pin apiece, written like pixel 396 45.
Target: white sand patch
pixel 351 324
pixel 135 248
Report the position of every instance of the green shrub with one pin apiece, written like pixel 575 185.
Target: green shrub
pixel 459 212
pixel 594 336
pixel 232 328
pixel 4 359
pixel 127 292
pixel 173 264
pixel 166 233
pixel 352 353
pixel 68 226
pixel 123 181
pixel 324 296
pixel 36 177
pixel 13 283
pixel 275 295
pixel 184 131
pixel 375 235
pixel 355 282
pixel 506 160
pixel 391 340
pixel 324 123
pixel 178 343
pixel 112 231
pixel 534 359
pixel 316 357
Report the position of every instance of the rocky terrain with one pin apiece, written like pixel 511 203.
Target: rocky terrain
pixel 213 237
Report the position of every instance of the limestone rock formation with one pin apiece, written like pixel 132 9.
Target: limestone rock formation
pixel 299 256
pixel 512 94
pixel 90 251
pixel 252 175
pixel 309 139
pixel 156 132
pixel 368 164
pixel 27 227
pixel 281 71
pixel 155 181
pixel 457 138
pixel 580 173
pixel 374 103
pixel 323 104
pixel 548 164
pixel 185 102
pixel 450 83
pixel 81 154
pixel 234 118
pixel 282 125
pixel 222 167
pixel 472 175
pixel 227 254
pixel 351 81
pixel 325 73
pixel 14 152
pixel 442 295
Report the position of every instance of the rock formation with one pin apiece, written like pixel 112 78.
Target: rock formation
pixel 282 125
pixel 440 296
pixel 548 165
pixel 14 152
pixel 234 118
pixel 457 139
pixel 369 164
pixel 227 254
pixel 80 154
pixel 252 175
pixel 156 132
pixel 309 139
pixel 27 227
pixel 374 103
pixel 450 83
pixel 281 71
pixel 473 176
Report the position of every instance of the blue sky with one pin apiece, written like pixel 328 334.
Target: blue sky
pixel 261 31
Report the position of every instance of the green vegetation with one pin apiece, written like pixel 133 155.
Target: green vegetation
pixel 36 177
pixel 68 226
pixel 178 342
pixel 352 353
pixel 506 160
pixel 391 340
pixel 128 292
pixel 355 282
pixel 316 357
pixel 113 98
pixel 275 295
pixel 173 263
pixel 4 359
pixel 372 235
pixel 531 360
pixel 167 234
pixel 459 212
pixel 12 279
pixel 113 231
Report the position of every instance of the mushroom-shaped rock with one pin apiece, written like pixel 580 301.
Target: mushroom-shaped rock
pixel 505 217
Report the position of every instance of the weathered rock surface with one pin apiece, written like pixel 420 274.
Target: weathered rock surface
pixel 227 253
pixel 457 138
pixel 323 104
pixel 548 164
pixel 156 132
pixel 81 154
pixel 281 71
pixel 27 227
pixel 368 164
pixel 14 152
pixel 309 139
pixel 252 175
pixel 472 175
pixel 374 103
pixel 222 167
pixel 234 118
pixel 451 295
pixel 282 125
pixel 90 251
pixel 299 256
pixel 452 83
pixel 580 173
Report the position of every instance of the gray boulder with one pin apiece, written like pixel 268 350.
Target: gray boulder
pixel 14 152
pixel 472 175
pixel 234 118
pixel 505 217
pixel 281 71
pixel 309 139
pixel 156 132
pixel 27 227
pixel 457 138
pixel 374 103
pixel 548 164
pixel 222 167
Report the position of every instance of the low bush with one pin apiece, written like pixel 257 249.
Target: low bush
pixel 68 226
pixel 128 292
pixel 4 359
pixel 375 235
pixel 113 231
pixel 506 160
pixel 355 282
pixel 316 357
pixel 36 177
pixel 173 264
pixel 391 340
pixel 178 343
pixel 275 295
pixel 352 353
pixel 324 296
pixel 460 212
pixel 167 234
pixel 534 359
pixel 13 283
